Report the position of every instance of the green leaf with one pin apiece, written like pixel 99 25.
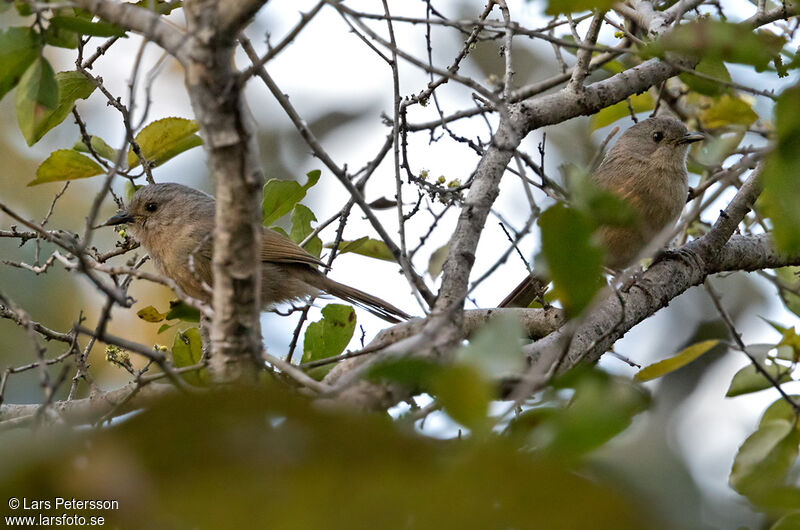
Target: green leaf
pixel 63 38
pixel 19 47
pixel 130 189
pixel 761 464
pixel 99 146
pixel 330 335
pixel 787 522
pixel 37 94
pixel 302 217
pixel 715 149
pixel 601 407
pixel 781 197
pixel 639 102
pixel 463 394
pixel 556 7
pixel 495 350
pixel 86 27
pixel 790 278
pixel 71 87
pixel 780 409
pixel 777 327
pixel 162 7
pixel 150 314
pixel 748 380
pixel 713 68
pixel 437 259
pixel 280 196
pixel 575 267
pixel 65 164
pixel 164 139
pixel 187 350
pixel 181 311
pixel 165 327
pixel 713 40
pixel 673 363
pixel 408 371
pixel 728 110
pixel 601 206
pixel 366 246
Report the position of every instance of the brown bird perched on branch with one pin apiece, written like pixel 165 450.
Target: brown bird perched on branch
pixel 647 170
pixel 175 222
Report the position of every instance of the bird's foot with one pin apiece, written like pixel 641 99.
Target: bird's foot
pixel 689 257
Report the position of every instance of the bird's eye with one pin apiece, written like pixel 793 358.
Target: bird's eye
pixel 151 207
pixel 658 136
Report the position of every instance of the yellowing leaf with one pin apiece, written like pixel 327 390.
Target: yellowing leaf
pixel 728 110
pixel 673 363
pixel 65 164
pixel 163 139
pixel 150 314
pixel 436 262
pixel 639 102
pixel 372 248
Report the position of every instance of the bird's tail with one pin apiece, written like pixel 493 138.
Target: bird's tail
pixel 373 304
pixel 526 292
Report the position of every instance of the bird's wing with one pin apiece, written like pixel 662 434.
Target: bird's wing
pixel 277 248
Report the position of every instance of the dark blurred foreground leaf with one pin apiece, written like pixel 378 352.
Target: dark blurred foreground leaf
pixel 556 7
pixel 86 27
pixel 781 197
pixel 717 41
pixel 760 467
pixel 574 263
pixel 265 459
pixel 714 68
pixel 602 407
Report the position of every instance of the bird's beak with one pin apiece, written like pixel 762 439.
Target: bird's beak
pixel 690 138
pixel 122 217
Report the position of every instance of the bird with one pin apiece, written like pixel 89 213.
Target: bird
pixel 646 169
pixel 174 222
